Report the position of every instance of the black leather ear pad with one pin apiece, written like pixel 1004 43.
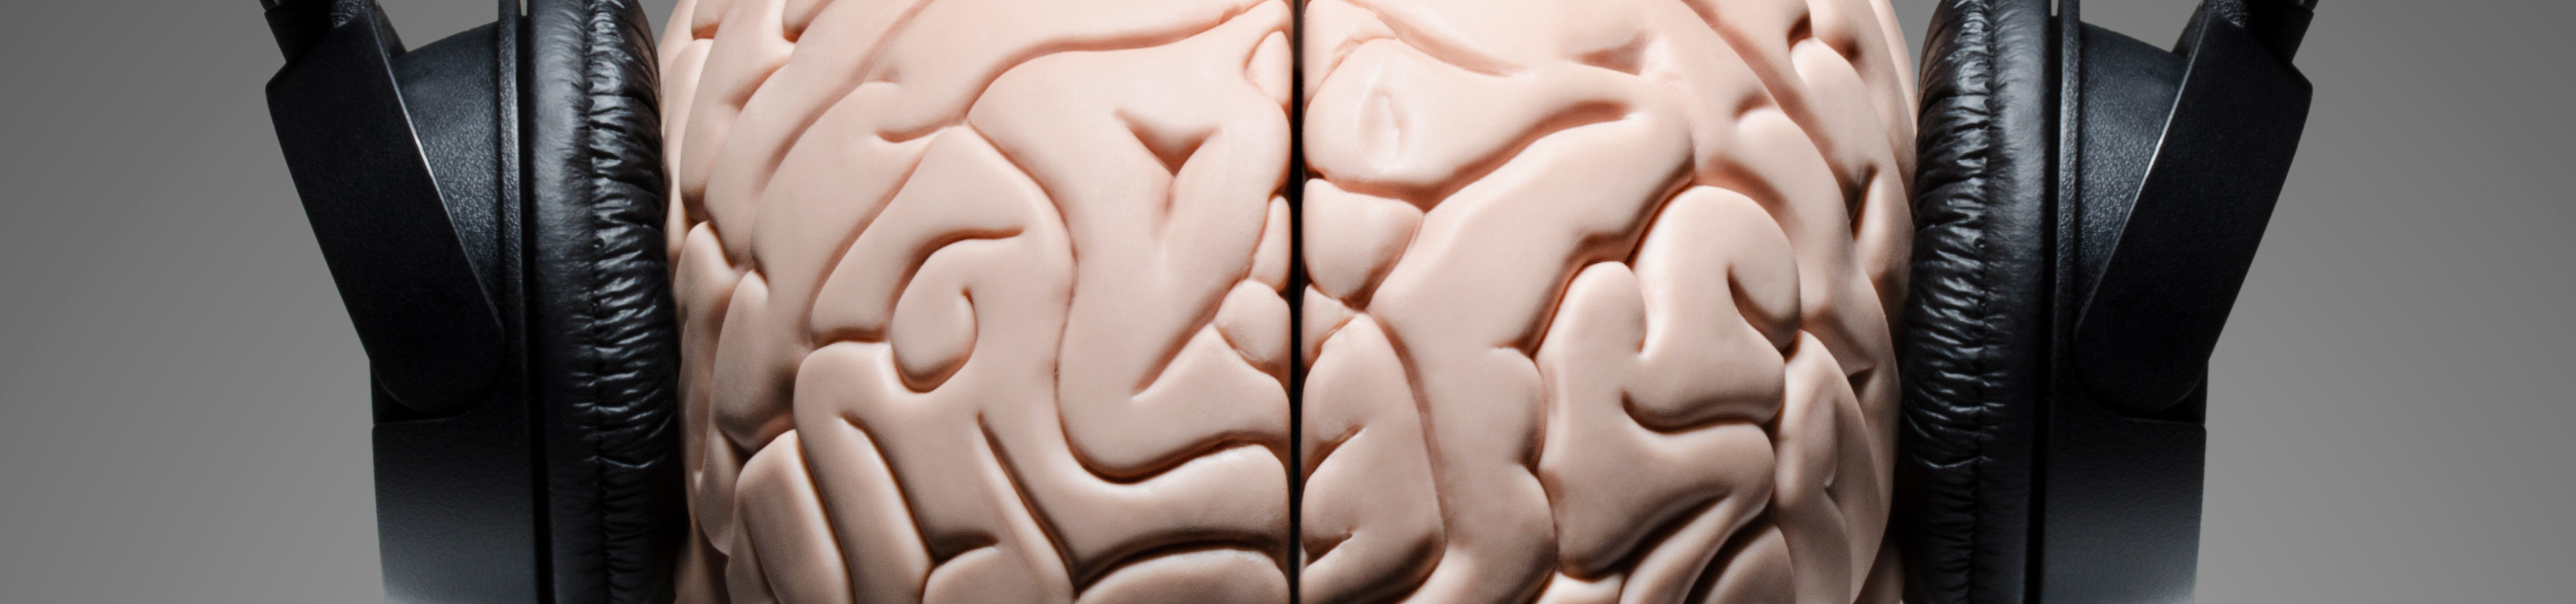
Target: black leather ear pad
pixel 1976 317
pixel 604 343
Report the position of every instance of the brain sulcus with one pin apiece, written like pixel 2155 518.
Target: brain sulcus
pixel 1006 300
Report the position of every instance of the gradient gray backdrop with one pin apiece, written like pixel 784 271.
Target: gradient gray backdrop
pixel 185 415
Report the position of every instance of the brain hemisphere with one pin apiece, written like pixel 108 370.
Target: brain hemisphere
pixel 982 299
pixel 1598 298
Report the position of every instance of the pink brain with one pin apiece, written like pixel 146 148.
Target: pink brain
pixel 991 300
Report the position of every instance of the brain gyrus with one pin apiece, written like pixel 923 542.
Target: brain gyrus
pixel 991 300
pixel 1600 298
pixel 981 300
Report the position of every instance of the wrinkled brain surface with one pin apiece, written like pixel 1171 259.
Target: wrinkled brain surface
pixel 982 299
pixel 991 300
pixel 1599 298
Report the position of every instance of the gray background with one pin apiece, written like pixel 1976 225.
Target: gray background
pixel 185 413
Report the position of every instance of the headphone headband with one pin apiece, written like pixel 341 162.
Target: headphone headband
pixel 2169 165
pixel 407 162
pixel 373 193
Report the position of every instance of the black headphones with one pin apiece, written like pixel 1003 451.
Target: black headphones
pixel 2086 208
pixel 490 206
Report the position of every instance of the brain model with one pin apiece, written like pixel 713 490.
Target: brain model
pixel 1006 300
pixel 1599 298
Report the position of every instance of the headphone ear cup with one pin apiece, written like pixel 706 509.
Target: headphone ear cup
pixel 604 342
pixel 1976 316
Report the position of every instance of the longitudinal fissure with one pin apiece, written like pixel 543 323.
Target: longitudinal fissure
pixel 1046 272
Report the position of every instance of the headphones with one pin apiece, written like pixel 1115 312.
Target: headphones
pixel 491 207
pixel 2086 209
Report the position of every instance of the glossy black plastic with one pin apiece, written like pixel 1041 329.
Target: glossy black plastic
pixel 406 163
pixel 384 220
pixel 2171 163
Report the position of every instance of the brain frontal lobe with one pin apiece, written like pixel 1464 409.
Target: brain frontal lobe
pixel 992 300
pixel 1598 299
pixel 982 299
